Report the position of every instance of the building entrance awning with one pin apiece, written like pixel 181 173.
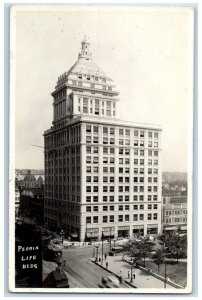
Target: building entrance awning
pixel 92 234
pixel 171 228
pixel 107 233
pixel 152 226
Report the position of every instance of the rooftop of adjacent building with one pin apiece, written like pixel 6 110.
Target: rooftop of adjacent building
pixel 175 200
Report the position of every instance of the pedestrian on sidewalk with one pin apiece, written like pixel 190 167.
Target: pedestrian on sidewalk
pixel 107 264
pixel 134 274
pixel 128 274
pixel 105 256
pixel 120 279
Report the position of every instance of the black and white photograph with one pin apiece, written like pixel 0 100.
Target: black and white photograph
pixel 101 149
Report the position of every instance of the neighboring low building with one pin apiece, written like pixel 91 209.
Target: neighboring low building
pixel 17 201
pixel 32 203
pixel 174 214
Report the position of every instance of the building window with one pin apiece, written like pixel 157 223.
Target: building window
pixel 120 150
pixel 149 216
pixel 105 208
pixel 88 189
pixel 156 135
pixel 136 133
pixel 95 198
pixel 95 208
pixel 149 206
pixel 120 131
pixel 88 220
pixel 155 216
pixel 88 179
pixel 135 198
pixel 88 199
pixel 120 207
pixel 135 217
pixel 88 169
pixel 120 218
pixel 105 219
pixel 111 198
pixel 111 208
pixel 141 217
pixel 88 208
pixel 120 198
pixel 95 219
pixel 95 189
pixel 111 219
pixel 127 218
pixel 127 207
pixel 104 198
pixel 95 160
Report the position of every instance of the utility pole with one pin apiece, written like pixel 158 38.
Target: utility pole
pixel 110 239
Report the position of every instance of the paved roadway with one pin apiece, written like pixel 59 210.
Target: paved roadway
pixel 81 272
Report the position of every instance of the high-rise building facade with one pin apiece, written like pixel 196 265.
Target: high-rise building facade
pixel 102 175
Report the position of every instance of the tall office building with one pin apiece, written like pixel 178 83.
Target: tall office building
pixel 102 175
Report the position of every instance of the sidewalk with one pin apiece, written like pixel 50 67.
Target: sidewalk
pixel 142 279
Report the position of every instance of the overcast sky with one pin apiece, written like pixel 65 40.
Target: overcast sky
pixel 148 52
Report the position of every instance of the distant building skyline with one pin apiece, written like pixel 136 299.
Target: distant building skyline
pixel 155 80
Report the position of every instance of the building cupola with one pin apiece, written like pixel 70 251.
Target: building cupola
pixel 84 52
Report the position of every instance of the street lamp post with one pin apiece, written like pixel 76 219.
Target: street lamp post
pixel 165 275
pixel 110 242
pixel 34 221
pixel 164 247
pixel 62 235
pixel 96 252
pixel 131 271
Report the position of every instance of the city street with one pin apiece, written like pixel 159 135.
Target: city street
pixel 81 272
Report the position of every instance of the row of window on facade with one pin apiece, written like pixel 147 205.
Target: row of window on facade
pixel 105 198
pixel 92 77
pixel 121 142
pixel 120 218
pixel 125 188
pixel 60 95
pixel 70 135
pixel 121 207
pixel 122 132
pixel 111 179
pixel 92 85
pixel 175 212
pixel 121 151
pixel 122 198
pixel 175 220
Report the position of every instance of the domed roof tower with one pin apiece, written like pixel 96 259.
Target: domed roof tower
pixel 84 90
